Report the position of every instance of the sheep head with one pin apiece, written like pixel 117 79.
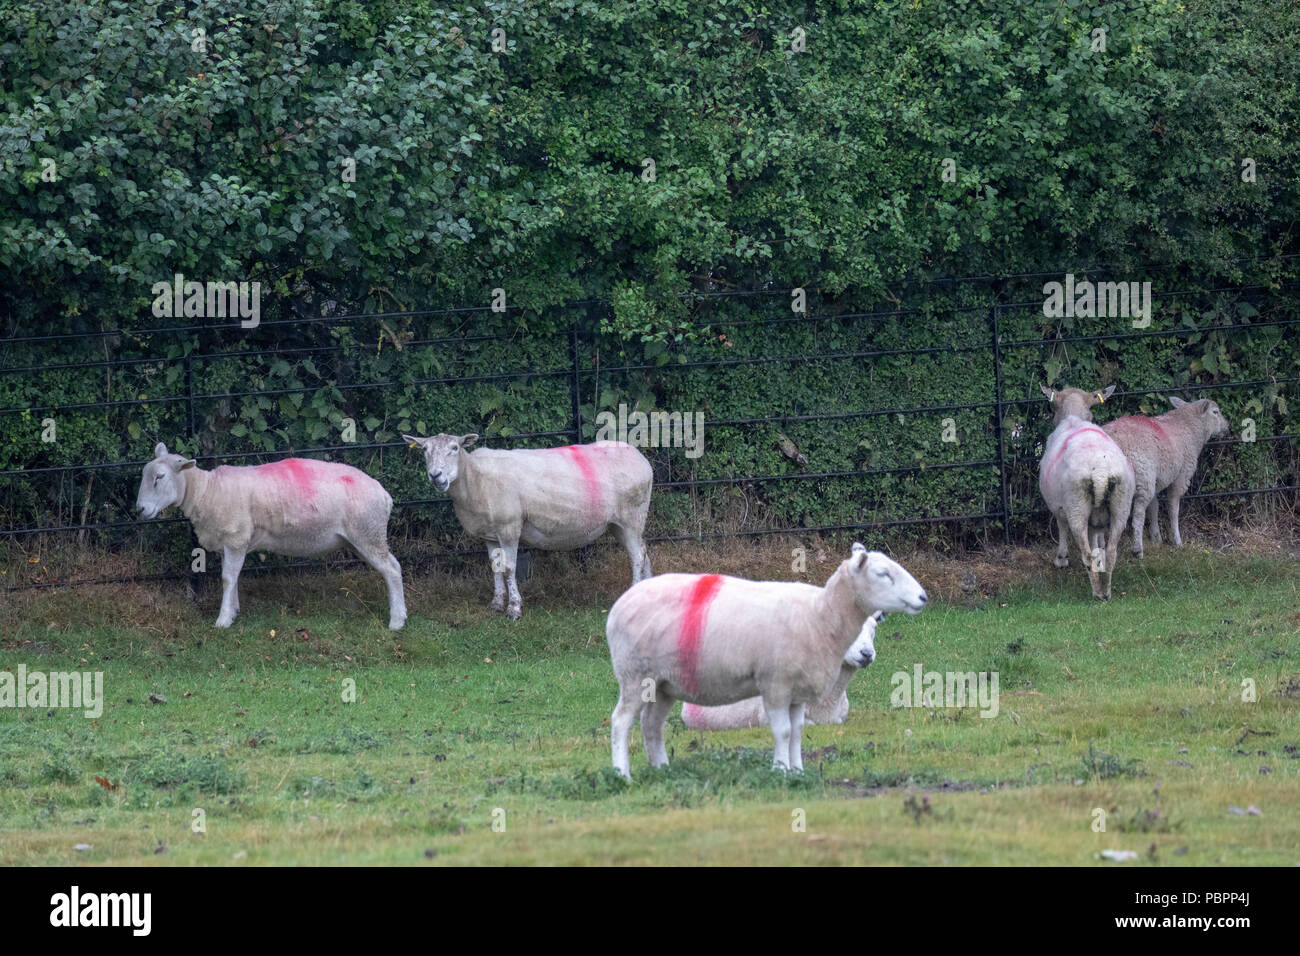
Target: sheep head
pixel 1074 401
pixel 1205 413
pixel 863 650
pixel 442 456
pixel 882 584
pixel 163 482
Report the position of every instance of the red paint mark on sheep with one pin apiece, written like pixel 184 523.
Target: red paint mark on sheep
pixel 299 472
pixel 1066 444
pixel 1149 422
pixel 580 456
pixel 698 600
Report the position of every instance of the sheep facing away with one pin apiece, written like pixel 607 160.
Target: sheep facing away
pixel 833 708
pixel 1088 485
pixel 552 499
pixel 298 507
pixel 1163 452
pixel 711 639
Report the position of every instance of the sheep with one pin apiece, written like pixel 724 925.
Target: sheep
pixel 1163 452
pixel 298 507
pixel 1088 485
pixel 1067 402
pixel 831 709
pixel 712 639
pixel 554 499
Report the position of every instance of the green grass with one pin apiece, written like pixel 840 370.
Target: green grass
pixel 464 720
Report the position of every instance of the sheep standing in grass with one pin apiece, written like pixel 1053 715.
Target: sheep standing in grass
pixel 711 639
pixel 1088 485
pixel 553 499
pixel 831 709
pixel 297 507
pixel 1163 452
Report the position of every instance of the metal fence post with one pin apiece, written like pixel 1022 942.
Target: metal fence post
pixel 576 388
pixel 994 318
pixel 196 579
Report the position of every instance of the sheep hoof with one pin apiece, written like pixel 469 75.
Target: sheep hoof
pixel 1061 562
pixel 514 613
pixel 224 622
pixel 396 625
pixel 498 605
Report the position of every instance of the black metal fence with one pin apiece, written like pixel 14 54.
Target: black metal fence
pixel 849 385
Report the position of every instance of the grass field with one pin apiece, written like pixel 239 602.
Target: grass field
pixel 472 740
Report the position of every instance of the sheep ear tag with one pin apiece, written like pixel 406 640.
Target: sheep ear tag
pixel 1101 398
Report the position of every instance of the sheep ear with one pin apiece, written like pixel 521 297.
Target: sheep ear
pixel 1175 401
pixel 857 546
pixel 1105 393
pixel 187 463
pixel 415 441
pixel 159 450
pixel 1051 395
pixel 467 441
pixel 858 560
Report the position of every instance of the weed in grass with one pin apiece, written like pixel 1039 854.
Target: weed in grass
pixel 345 740
pixel 1016 666
pixel 186 774
pixel 1103 765
pixel 583 785
pixel 1147 821
pixel 361 787
pixel 58 767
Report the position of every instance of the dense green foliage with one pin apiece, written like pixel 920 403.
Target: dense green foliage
pixel 773 167
pixel 524 169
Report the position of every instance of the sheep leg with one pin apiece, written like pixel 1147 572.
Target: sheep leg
pixel 232 562
pixel 382 560
pixel 1139 518
pixel 510 555
pixel 778 715
pixel 797 714
pixel 1078 526
pixel 1062 548
pixel 620 723
pixel 1175 500
pixel 497 558
pixel 653 717
pixel 1153 520
pixel 636 550
pixel 1116 531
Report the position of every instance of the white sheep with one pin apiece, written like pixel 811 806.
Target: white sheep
pixel 711 639
pixel 553 499
pixel 1163 452
pixel 833 708
pixel 298 507
pixel 1088 485
pixel 1072 401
